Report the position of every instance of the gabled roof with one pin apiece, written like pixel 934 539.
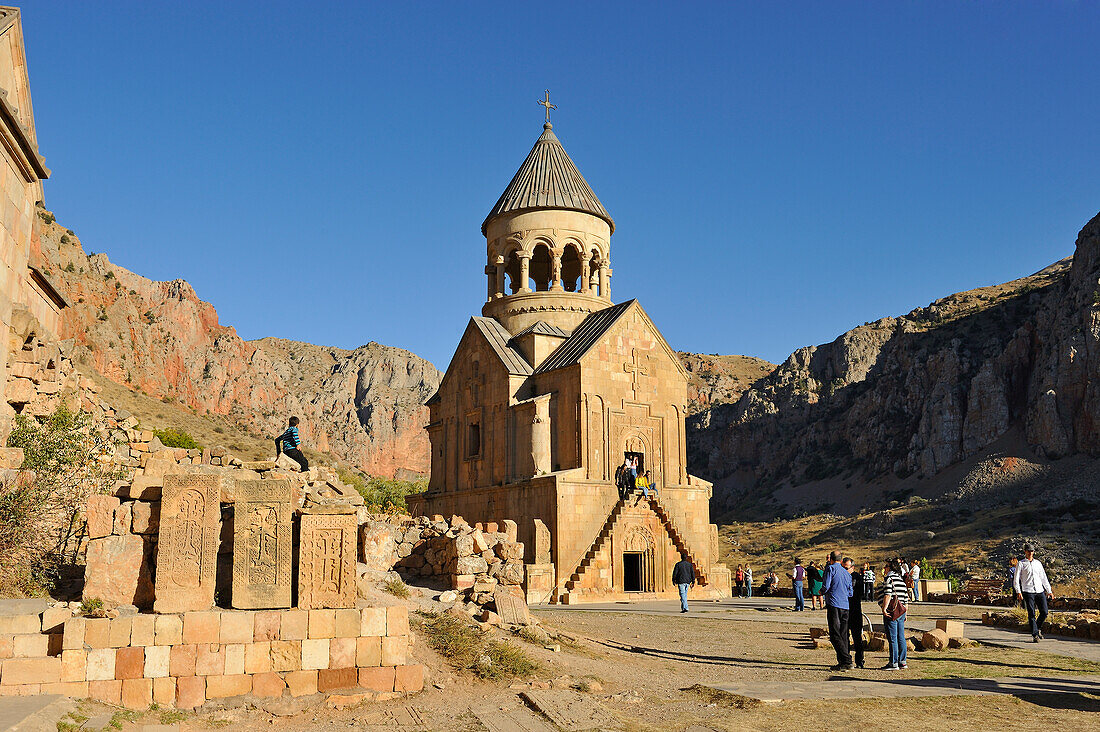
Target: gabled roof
pixel 586 335
pixel 498 339
pixel 548 179
pixel 542 328
pixel 591 330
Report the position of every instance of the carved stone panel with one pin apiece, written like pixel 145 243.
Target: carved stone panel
pixel 262 544
pixel 187 551
pixel 326 561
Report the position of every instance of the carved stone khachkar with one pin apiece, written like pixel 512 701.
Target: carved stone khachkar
pixel 187 552
pixel 262 544
pixel 326 561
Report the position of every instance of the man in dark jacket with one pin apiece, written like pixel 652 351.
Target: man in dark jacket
pixel 855 610
pixel 683 576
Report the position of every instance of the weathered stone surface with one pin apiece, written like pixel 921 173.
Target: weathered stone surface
pixel 378 542
pixel 326 565
pixel 541 547
pixel 934 640
pixel 101 515
pixel 188 548
pixel 262 544
pixel 511 606
pixel 118 571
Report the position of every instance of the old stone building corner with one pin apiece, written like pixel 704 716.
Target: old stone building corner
pixel 33 370
pixel 548 391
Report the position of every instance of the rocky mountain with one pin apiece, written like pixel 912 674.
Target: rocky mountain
pixel 715 379
pixel 158 338
pixel 895 403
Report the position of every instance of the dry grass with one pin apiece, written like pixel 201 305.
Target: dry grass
pixel 396 587
pixel 467 647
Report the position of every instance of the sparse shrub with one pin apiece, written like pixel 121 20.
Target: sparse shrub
pixel 167 399
pixel 381 494
pixel 467 647
pixel 172 437
pixel 70 267
pixel 219 429
pixel 109 276
pixel 506 659
pixel 46 216
pixel 64 238
pixel 102 314
pixel 40 519
pixel 91 606
pixel 396 587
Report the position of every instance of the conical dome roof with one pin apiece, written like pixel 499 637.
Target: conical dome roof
pixel 548 179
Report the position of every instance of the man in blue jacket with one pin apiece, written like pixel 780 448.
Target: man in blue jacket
pixel 838 592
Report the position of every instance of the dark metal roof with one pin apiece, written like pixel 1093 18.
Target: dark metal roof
pixel 498 338
pixel 587 334
pixel 542 328
pixel 548 179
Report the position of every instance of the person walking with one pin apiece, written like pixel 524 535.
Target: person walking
pixel 798 578
pixel 748 581
pixel 914 575
pixel 290 443
pixel 683 576
pixel 837 592
pixel 817 578
pixel 855 612
pixel 1033 587
pixel 739 580
pixel 893 599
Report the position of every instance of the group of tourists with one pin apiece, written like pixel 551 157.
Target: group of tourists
pixel 742 579
pixel 629 477
pixel 842 588
pixel 810 579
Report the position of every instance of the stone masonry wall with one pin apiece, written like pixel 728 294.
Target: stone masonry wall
pixel 184 660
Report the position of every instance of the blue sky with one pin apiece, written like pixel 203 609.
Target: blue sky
pixel 778 172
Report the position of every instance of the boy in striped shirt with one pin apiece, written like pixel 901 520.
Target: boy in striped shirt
pixel 290 443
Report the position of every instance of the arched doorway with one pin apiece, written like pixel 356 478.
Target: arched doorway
pixel 637 560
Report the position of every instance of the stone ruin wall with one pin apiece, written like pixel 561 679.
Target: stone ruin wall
pixel 476 561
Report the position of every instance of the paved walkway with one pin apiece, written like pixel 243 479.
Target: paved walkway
pixel 777 610
pixel 778 691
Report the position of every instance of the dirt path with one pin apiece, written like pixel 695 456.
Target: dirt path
pixel 647 669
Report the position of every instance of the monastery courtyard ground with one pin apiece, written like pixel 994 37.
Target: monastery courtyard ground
pixel 734 665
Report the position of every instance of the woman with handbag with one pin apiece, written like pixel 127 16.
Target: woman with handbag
pixel 893 598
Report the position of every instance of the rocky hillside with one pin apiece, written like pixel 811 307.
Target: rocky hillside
pixel 892 404
pixel 715 379
pixel 158 338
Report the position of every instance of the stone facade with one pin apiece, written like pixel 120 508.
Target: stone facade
pixel 547 393
pixel 186 660
pixel 30 306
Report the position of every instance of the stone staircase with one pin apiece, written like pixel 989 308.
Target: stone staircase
pixel 572 585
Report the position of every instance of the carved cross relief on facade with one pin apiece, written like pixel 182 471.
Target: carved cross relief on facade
pixel 637 366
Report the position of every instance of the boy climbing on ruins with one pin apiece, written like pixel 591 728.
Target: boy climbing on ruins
pixel 290 443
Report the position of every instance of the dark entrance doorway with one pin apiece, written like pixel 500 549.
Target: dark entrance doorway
pixel 632 571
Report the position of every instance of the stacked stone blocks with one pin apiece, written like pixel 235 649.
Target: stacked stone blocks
pixel 187 659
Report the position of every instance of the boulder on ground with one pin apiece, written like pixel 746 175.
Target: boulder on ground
pixel 961 643
pixel 934 640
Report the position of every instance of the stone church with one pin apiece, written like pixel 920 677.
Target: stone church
pixel 548 391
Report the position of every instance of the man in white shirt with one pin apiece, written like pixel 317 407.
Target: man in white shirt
pixel 1033 587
